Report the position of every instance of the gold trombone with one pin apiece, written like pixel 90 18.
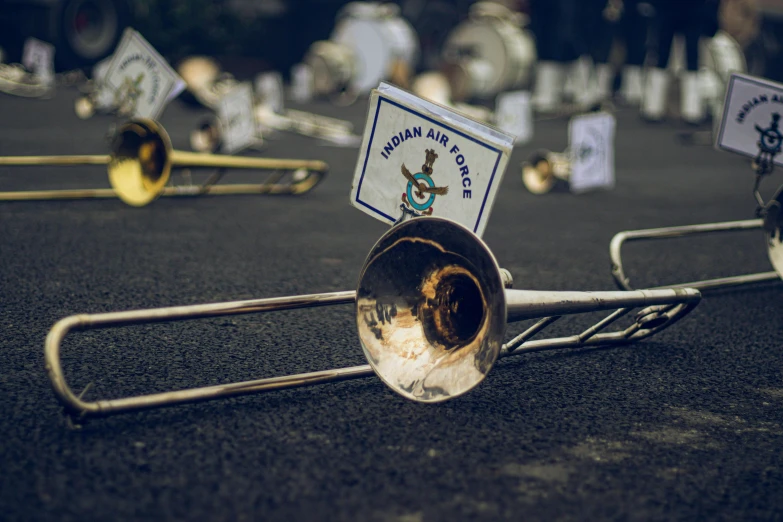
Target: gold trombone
pixel 140 165
pixel 431 309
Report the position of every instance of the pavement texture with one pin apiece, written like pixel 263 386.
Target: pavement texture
pixel 686 425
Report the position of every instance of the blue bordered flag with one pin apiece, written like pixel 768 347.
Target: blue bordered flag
pixel 419 158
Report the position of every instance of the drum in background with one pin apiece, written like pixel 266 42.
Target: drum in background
pixel 381 41
pixel 491 52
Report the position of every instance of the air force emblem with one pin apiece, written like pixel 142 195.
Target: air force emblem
pixel 421 191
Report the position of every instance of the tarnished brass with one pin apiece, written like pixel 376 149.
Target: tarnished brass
pixel 140 165
pixel 431 309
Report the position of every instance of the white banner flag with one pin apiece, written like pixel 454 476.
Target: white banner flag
pixel 421 159
pixel 237 118
pixel 591 146
pixel 751 117
pixel 142 82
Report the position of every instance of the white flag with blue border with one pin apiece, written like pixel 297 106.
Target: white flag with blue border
pixel 419 158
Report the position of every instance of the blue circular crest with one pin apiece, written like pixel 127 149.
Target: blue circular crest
pixel 427 204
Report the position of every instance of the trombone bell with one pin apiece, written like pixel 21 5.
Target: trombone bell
pixel 430 309
pixel 542 171
pixel 141 162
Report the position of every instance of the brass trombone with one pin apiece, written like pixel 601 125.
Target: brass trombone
pixel 140 165
pixel 431 311
pixel 545 169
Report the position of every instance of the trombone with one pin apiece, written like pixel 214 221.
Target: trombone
pixel 208 135
pixel 431 309
pixel 770 222
pixel 545 169
pixel 140 165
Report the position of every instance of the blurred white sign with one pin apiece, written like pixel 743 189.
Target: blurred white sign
pixel 38 57
pixel 301 83
pixel 513 114
pixel 591 146
pixel 751 117
pixel 269 87
pixel 421 159
pixel 237 118
pixel 141 81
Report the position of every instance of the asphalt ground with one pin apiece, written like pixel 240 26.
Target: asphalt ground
pixel 686 425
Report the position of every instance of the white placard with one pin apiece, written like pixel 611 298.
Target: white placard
pixel 38 57
pixel 301 83
pixel 269 87
pixel 591 147
pixel 104 98
pixel 237 118
pixel 140 78
pixel 513 114
pixel 751 117
pixel 100 69
pixel 418 158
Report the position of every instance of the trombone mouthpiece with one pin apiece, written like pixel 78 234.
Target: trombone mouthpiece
pixel 431 309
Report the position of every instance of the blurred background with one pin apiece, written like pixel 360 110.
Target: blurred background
pixel 277 33
pixel 670 58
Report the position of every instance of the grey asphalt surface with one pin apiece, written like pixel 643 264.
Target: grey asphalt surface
pixel 686 425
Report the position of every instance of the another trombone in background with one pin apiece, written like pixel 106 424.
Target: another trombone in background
pixel 141 162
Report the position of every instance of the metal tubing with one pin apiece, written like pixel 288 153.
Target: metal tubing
pixel 623 282
pixel 75 406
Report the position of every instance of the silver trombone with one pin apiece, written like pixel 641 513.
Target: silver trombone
pixel 770 223
pixel 431 309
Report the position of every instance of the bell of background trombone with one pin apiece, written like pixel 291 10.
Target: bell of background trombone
pixel 141 162
pixel 430 310
pixel 544 170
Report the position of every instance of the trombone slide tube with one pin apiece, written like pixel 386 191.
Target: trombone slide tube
pixel 199 159
pixel 531 304
pixel 26 161
pixel 79 408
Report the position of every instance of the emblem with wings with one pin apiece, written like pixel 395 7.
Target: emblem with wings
pixel 421 190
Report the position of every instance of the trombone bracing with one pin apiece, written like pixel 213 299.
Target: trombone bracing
pixel 140 165
pixel 431 309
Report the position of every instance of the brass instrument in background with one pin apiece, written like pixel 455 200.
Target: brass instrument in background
pixel 208 135
pixel 771 223
pixel 545 169
pixel 140 165
pixel 431 309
